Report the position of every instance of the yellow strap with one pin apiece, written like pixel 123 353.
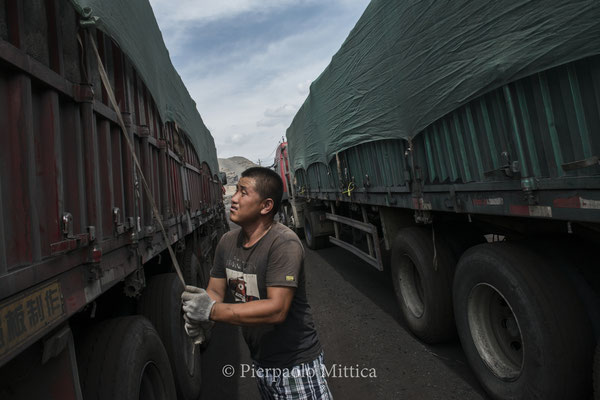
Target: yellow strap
pixel 351 187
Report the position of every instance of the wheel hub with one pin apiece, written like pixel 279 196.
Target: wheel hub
pixel 495 331
pixel 411 287
pixel 151 383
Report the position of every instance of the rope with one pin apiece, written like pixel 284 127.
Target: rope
pixel 113 101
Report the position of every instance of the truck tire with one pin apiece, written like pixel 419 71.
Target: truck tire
pixel 522 326
pixel 423 291
pixel 124 359
pixel 190 265
pixel 312 241
pixel 161 304
pixel 597 373
pixel 195 272
pixel 290 220
pixel 284 216
pixel 461 238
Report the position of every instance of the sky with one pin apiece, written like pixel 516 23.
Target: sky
pixel 248 64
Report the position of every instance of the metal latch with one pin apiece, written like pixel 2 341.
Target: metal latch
pixel 67 225
pixel 509 168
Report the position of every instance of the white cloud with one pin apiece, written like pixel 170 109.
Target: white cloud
pixel 303 87
pixel 285 110
pixel 180 11
pixel 277 116
pixel 248 97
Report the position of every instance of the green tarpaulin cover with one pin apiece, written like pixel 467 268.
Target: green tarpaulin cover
pixel 132 25
pixel 407 63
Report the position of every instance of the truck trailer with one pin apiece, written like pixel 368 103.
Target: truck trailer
pixel 108 184
pixel 455 146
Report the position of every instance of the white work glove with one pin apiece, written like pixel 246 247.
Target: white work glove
pixel 197 304
pixel 199 332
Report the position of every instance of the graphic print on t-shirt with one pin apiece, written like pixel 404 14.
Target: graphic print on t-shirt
pixel 244 287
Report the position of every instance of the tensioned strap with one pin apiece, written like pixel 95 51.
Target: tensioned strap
pixel 113 102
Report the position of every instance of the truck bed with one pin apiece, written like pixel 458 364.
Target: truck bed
pixel 528 149
pixel 74 218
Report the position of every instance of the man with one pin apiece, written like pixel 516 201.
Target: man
pixel 262 265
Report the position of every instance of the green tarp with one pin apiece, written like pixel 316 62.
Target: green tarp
pixel 407 63
pixel 132 25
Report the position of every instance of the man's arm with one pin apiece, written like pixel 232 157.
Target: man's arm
pixel 201 305
pixel 272 310
pixel 216 289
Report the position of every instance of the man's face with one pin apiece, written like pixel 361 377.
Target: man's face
pixel 246 203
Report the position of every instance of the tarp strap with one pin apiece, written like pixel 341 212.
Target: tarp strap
pixel 113 102
pixel 351 187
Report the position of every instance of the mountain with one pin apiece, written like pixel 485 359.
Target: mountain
pixel 233 168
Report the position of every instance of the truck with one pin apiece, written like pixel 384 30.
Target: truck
pixel 455 146
pixel 108 184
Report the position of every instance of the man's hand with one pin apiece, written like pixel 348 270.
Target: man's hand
pixel 194 329
pixel 197 304
pixel 199 332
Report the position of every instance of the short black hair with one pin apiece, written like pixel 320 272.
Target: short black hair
pixel 268 184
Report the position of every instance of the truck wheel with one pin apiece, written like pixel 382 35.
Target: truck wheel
pixel 521 324
pixel 190 266
pixel 424 291
pixel 161 304
pixel 195 272
pixel 461 238
pixel 285 216
pixel 290 220
pixel 313 242
pixel 124 359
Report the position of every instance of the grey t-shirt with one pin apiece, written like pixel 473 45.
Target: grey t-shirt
pixel 277 259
